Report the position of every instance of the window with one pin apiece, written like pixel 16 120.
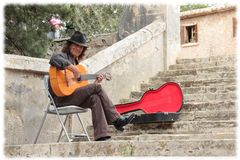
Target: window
pixel 189 34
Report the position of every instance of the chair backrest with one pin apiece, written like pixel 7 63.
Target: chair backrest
pixel 46 85
pixel 45 80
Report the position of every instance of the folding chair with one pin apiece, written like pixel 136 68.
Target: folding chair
pixel 64 110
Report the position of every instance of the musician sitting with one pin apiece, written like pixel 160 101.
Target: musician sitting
pixel 90 96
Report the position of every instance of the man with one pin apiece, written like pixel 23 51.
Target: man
pixel 91 96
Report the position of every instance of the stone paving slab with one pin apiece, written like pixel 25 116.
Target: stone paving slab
pixel 208 147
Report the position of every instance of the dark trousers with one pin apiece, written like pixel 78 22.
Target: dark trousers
pixel 94 97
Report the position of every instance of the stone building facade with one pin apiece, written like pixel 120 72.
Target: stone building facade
pixel 208 32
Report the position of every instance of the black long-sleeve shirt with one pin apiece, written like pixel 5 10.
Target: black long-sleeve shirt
pixel 62 60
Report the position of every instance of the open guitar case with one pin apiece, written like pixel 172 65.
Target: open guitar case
pixel 162 104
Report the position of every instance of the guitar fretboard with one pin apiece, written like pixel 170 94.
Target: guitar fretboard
pixel 87 77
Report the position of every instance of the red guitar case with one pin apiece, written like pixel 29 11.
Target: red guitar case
pixel 162 104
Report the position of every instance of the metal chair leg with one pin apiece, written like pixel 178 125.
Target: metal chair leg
pixel 84 129
pixel 40 128
pixel 59 137
pixel 60 120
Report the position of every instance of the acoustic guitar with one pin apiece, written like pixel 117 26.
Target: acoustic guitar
pixel 64 83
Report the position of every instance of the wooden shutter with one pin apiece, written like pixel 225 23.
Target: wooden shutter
pixel 195 33
pixel 234 20
pixel 182 34
pixel 186 39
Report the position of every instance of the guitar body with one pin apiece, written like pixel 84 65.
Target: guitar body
pixel 63 82
pixel 167 98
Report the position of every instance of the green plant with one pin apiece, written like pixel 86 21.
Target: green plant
pixel 26 26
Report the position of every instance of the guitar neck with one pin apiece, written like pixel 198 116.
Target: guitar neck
pixel 88 76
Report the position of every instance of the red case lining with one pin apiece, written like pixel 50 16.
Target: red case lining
pixel 167 98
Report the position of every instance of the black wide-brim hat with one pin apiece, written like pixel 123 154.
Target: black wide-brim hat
pixel 79 39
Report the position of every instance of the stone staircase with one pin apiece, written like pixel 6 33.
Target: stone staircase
pixel 206 126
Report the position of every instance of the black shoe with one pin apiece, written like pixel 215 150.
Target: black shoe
pixel 103 138
pixel 122 121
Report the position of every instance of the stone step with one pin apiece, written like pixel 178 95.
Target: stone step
pixel 146 137
pixel 185 147
pixel 193 90
pixel 201 89
pixel 209 106
pixel 230 75
pixel 198 83
pixel 208 115
pixel 231 63
pixel 210 97
pixel 222 58
pixel 211 70
pixel 178 127
pixel 186 127
pixel 199 97
pixel 210 89
pixel 213 115
pixel 136 133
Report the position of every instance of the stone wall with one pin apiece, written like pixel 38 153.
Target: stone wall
pixel 26 100
pixel 99 43
pixel 138 16
pixel 215 32
pixel 96 44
